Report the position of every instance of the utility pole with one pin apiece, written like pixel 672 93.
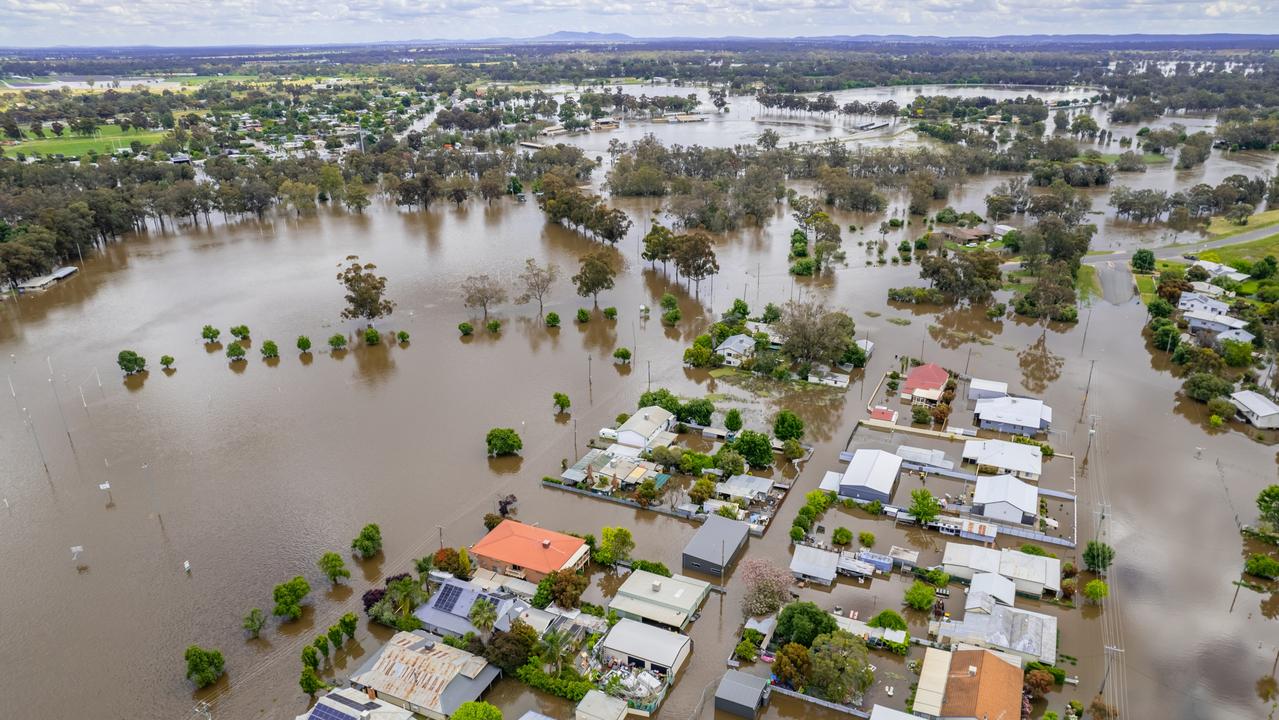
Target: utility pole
pixel 1111 651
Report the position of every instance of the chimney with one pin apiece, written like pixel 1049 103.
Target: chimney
pixel 546 543
pixel 972 671
pixel 657 586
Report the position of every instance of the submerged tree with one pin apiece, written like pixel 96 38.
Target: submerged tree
pixel 365 291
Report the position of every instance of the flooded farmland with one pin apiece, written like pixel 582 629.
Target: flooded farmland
pixel 251 471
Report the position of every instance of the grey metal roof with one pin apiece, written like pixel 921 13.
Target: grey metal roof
pixel 717 539
pixel 741 688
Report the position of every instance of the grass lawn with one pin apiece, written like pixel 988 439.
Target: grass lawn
pixel 1101 252
pixel 1145 287
pixel 108 138
pixel 1148 158
pixel 1219 227
pixel 994 246
pixel 1018 281
pixel 1088 283
pixel 1249 251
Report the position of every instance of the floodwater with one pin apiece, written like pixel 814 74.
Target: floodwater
pixel 252 471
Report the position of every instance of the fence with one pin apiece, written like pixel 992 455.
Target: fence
pixel 855 712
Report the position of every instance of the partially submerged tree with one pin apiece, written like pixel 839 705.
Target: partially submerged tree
pixel 482 291
pixel 597 273
pixel 204 666
pixel 537 281
pixel 365 291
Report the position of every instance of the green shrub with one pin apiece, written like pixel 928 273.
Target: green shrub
pixel 338 341
pixel 610 313
pixel 842 536
pixel 866 538
pixel 746 651
pixel 493 326
pixel 571 688
pixel 804 267
pixel 1262 566
pixel 670 317
pixel 372 336
pixel 583 316
pixel 622 355
pixel 402 336
pixel 552 320
pixel 796 533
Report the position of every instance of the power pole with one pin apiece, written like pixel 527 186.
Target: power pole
pixel 1111 651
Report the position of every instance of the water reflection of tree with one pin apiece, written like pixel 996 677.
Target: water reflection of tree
pixel 1039 365
pixel 373 363
pixel 959 326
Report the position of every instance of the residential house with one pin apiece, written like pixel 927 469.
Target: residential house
pixel 645 647
pixel 528 552
pixel 968 684
pixel 1216 270
pixel 924 384
pixel 813 564
pixel 1032 575
pixel 979 389
pixel 989 586
pixel 1015 415
pixel 597 705
pixel 44 282
pixel 715 545
pixel 745 488
pixel 867 347
pixel 351 704
pixel 1201 303
pixel 1005 498
pixel 664 601
pixel 1212 291
pixel 647 428
pixel 1003 457
pixel 879 412
pixel 870 475
pixel 1030 636
pixel 1241 336
pixel 622 472
pixel 1212 324
pixel 741 694
pixel 1257 409
pixel 929 457
pixel 418 672
pixel 735 349
pixel 448 611
pixel 754 327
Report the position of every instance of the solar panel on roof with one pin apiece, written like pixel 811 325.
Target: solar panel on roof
pixel 326 712
pixel 449 595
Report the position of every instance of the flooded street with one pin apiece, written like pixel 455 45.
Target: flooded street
pixel 251 471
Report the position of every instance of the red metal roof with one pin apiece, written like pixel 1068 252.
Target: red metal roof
pixel 529 547
pixel 925 377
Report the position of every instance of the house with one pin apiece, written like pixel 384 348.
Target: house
pixel 879 412
pixel 924 456
pixel 597 705
pixel 968 683
pixel 867 347
pixel 1242 336
pixel 647 428
pixel 736 348
pixel 1212 291
pixel 44 282
pixel 1015 415
pixel 621 471
pixel 1257 409
pixel 418 672
pixel 715 545
pixel 1209 323
pixel 870 475
pixel 746 488
pixel 1005 498
pixel 853 566
pixel 528 552
pixel 904 558
pixel 1201 303
pixel 1216 270
pixel 1032 575
pixel 924 384
pixel 814 564
pixel 351 704
pixel 741 694
pixel 448 612
pixel 645 647
pixel 1001 230
pixel 979 389
pixel 754 327
pixel 1030 636
pixel 1000 456
pixel 996 587
pixel 664 601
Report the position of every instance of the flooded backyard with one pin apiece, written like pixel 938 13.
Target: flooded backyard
pixel 251 471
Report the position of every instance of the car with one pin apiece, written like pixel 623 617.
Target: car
pixel 608 433
pixel 1190 256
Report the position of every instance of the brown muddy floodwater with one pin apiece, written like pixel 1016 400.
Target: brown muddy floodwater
pixel 251 472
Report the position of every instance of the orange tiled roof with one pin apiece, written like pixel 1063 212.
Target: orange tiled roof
pixel 992 691
pixel 524 545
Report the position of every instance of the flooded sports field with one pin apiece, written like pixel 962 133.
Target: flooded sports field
pixel 251 471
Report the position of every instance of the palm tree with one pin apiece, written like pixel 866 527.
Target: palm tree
pixel 405 594
pixel 555 646
pixel 483 616
pixel 424 567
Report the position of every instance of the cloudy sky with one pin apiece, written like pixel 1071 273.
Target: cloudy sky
pixel 212 22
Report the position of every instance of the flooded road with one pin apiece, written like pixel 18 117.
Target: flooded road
pixel 251 472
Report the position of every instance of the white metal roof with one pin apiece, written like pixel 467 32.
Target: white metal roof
pixel 996 586
pixel 995 386
pixel 1189 300
pixel 1005 628
pixel 647 421
pixel 1006 488
pixel 1207 317
pixel 1005 455
pixel 638 640
pixel 1242 336
pixel 1254 402
pixel 744 486
pixel 874 469
pixel 677 592
pixel 596 705
pixel 1023 412
pixel 830 481
pixel 932 682
pixel 924 456
pixel 980 559
pixel 740 344
pixel 814 562
pixel 1039 569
